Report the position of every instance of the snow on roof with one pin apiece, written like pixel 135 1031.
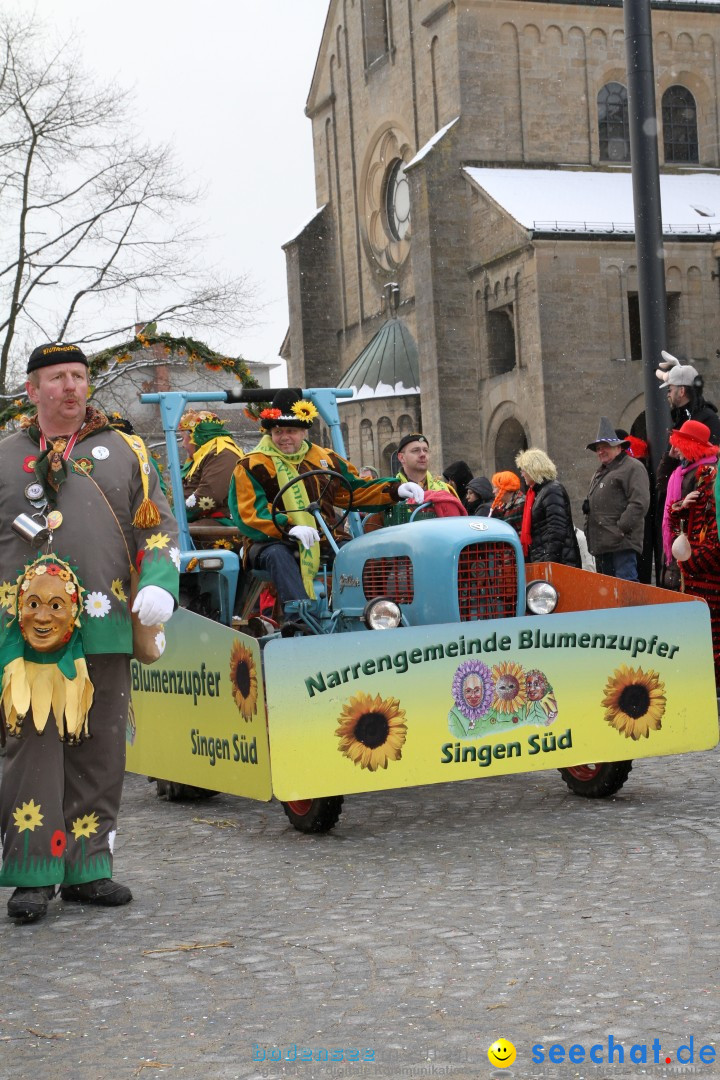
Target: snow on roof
pixel 565 200
pixel 386 367
pixel 316 214
pixel 434 139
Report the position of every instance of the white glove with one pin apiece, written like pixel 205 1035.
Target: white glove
pixel 153 605
pixel 305 534
pixel 190 501
pixel 412 491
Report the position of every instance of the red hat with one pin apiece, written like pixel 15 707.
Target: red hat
pixel 693 441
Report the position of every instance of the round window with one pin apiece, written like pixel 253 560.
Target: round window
pixel 385 200
pixel 397 201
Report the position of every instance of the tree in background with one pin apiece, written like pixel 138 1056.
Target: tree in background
pixel 93 223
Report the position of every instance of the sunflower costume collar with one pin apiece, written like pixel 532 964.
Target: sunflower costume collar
pixel 41 652
pixel 216 445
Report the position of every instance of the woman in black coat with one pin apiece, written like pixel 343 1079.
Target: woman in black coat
pixel 547 532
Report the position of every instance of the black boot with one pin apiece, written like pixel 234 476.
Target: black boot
pixel 29 905
pixel 105 892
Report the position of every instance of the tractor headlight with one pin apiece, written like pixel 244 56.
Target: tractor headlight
pixel 382 614
pixel 541 597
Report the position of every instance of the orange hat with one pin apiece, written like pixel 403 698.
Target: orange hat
pixel 506 481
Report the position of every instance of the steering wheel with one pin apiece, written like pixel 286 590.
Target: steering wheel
pixel 330 476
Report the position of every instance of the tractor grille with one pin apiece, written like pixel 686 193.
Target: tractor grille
pixel 487 582
pixel 389 577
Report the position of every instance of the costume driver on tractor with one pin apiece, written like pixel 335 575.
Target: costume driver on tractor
pixel 274 541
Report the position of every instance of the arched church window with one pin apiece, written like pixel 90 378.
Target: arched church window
pixel 613 126
pixel 367 443
pixel 375 30
pixel 501 340
pixel 680 134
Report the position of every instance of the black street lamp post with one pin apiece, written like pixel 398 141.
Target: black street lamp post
pixel 648 216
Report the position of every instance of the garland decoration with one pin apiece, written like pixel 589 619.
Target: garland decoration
pixel 166 348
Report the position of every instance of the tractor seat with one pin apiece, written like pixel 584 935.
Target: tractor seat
pixel 208 531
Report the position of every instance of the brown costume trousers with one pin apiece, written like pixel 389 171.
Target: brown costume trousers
pixel 58 802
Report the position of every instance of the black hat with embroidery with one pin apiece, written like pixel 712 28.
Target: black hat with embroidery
pixel 407 439
pixel 50 355
pixel 289 409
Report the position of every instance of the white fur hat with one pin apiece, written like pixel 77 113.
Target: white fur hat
pixel 672 373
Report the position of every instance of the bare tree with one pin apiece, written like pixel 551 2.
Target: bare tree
pixel 92 222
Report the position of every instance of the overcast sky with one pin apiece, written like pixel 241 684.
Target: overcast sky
pixel 226 82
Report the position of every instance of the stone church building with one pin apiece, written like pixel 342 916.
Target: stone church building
pixel 471 269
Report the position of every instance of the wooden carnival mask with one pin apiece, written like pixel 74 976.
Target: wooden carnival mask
pixel 47 606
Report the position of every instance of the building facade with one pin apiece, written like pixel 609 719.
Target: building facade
pixel 476 156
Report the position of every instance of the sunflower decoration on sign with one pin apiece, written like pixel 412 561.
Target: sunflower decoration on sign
pixel 510 695
pixel 372 731
pixel 634 702
pixel 243 680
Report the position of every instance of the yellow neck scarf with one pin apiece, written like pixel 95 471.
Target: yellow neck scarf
pixel 295 497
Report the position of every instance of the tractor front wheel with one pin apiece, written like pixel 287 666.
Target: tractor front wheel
pixel 314 815
pixel 172 792
pixel 598 780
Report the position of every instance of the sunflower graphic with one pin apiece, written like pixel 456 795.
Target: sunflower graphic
pixel 509 694
pixel 85 826
pixel 117 589
pixel 28 816
pixel 372 731
pixel 157 540
pixel 8 593
pixel 634 702
pixel 243 679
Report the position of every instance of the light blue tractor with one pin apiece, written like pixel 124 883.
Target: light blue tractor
pixel 475 664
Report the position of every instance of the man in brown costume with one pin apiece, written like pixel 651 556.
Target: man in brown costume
pixel 94 492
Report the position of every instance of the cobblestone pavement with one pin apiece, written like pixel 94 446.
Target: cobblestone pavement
pixel 431 922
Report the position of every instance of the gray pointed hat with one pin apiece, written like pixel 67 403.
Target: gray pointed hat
pixel 607 434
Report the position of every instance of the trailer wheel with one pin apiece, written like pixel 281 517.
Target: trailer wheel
pixel 168 789
pixel 598 780
pixel 314 815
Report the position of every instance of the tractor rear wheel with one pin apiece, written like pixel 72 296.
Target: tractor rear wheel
pixel 598 780
pixel 314 815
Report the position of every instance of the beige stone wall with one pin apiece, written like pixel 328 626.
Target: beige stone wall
pixel 523 78
pixel 530 74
